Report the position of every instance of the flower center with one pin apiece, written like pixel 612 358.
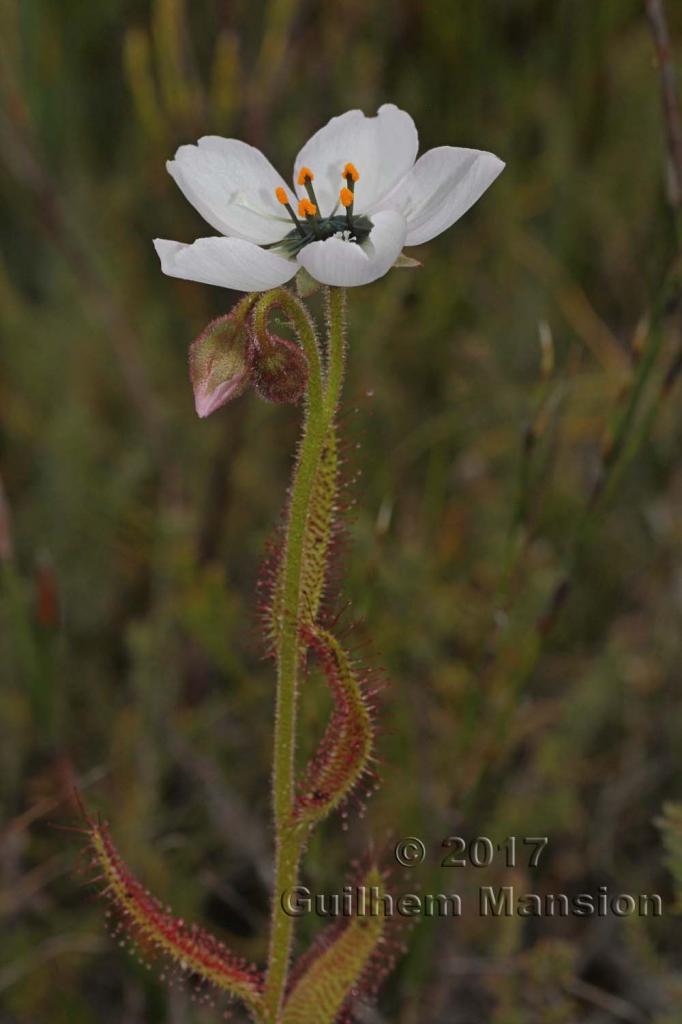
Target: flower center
pixel 309 226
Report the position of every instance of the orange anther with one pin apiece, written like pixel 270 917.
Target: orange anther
pixel 306 208
pixel 346 197
pixel 350 171
pixel 281 194
pixel 304 175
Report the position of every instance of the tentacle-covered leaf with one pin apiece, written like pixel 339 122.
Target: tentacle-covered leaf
pixel 320 529
pixel 346 961
pixel 191 950
pixel 319 534
pixel 345 750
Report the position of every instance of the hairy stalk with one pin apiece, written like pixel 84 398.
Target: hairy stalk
pixel 319 416
pixel 296 313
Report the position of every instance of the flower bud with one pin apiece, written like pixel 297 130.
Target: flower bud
pixel 218 365
pixel 279 368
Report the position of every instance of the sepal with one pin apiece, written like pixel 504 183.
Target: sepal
pixel 305 284
pixel 403 260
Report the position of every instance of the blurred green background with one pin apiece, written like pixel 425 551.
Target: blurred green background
pixel 516 549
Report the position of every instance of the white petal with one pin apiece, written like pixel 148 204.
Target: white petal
pixel 347 264
pixel 232 185
pixel 443 184
pixel 227 262
pixel 383 149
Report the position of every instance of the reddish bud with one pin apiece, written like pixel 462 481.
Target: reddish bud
pixel 279 368
pixel 217 360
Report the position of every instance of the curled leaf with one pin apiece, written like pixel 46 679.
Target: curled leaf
pixel 191 950
pixel 345 751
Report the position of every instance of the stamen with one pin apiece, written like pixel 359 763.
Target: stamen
pixel 306 208
pixel 305 178
pixel 350 173
pixel 283 198
pixel 346 196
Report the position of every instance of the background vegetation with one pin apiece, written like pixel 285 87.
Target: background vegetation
pixel 516 549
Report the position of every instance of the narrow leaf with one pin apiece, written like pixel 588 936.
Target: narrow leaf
pixel 190 949
pixel 320 529
pixel 342 964
pixel 345 751
pixel 319 534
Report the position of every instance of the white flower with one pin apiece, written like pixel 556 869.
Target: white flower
pixel 358 198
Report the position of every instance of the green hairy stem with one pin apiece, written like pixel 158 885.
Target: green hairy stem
pixel 306 505
pixel 343 958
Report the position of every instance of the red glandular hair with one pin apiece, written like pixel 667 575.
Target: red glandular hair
pixel 325 533
pixel 346 964
pixel 190 950
pixel 344 754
